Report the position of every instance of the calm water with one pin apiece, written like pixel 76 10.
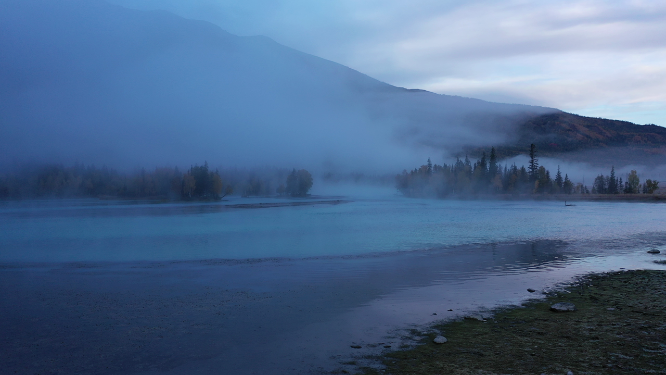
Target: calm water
pixel 90 231
pixel 228 288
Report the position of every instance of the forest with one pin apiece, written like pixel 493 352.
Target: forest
pixel 199 182
pixel 487 177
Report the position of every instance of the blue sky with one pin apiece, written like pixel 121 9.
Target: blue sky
pixel 595 58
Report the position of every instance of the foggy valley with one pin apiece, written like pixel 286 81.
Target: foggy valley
pixel 187 187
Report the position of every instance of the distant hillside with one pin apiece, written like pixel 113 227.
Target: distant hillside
pixel 594 140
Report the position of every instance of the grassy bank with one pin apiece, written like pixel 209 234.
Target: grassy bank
pixel 619 327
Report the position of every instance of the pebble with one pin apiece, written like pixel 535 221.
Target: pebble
pixel 654 251
pixel 563 307
pixel 531 290
pixel 440 340
pixel 569 373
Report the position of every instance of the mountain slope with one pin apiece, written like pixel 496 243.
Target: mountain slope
pixel 593 140
pixel 83 80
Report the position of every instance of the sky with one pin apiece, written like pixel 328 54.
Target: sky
pixel 594 58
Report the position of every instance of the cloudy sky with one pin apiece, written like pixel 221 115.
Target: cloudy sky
pixel 595 58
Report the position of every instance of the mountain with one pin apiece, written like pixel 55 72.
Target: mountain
pixel 593 140
pixel 87 81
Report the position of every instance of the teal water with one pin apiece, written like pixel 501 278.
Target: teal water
pixel 116 287
pixel 67 231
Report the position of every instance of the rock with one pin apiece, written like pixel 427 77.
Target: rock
pixel 610 308
pixel 356 346
pixel 569 373
pixel 440 340
pixel 434 313
pixel 563 307
pixel 654 251
pixel 531 290
pixel 478 317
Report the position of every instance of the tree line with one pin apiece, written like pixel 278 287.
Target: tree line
pixel 199 182
pixel 611 184
pixel 487 176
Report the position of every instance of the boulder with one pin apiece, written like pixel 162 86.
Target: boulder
pixel 440 340
pixel 563 307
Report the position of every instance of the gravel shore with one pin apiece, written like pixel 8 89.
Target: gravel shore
pixel 618 327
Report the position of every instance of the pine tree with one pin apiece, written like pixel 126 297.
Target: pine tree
pixel 492 169
pixel 558 179
pixel 567 185
pixel 612 182
pixel 534 164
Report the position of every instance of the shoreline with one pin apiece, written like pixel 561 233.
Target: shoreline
pixel 618 327
pixel 629 198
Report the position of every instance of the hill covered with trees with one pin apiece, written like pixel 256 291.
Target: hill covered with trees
pixel 594 140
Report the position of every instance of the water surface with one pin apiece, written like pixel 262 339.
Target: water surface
pixel 117 288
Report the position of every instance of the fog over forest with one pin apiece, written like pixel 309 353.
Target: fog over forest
pixel 90 82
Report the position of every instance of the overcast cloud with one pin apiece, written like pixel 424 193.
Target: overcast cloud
pixel 596 58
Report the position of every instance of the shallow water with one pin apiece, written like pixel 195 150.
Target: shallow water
pixel 112 287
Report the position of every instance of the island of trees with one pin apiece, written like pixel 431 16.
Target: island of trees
pixel 199 182
pixel 487 177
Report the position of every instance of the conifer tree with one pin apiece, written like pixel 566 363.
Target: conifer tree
pixel 534 164
pixel 558 179
pixel 612 182
pixel 567 185
pixel 492 169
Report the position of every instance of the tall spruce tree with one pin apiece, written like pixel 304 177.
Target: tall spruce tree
pixel 492 169
pixel 534 164
pixel 612 182
pixel 558 180
pixel 567 185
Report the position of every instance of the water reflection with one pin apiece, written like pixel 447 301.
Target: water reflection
pixel 207 289
pixel 265 316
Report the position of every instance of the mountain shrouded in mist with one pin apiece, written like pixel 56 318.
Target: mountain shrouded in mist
pixel 83 80
pixel 86 81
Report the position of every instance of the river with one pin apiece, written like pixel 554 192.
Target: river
pixel 280 286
